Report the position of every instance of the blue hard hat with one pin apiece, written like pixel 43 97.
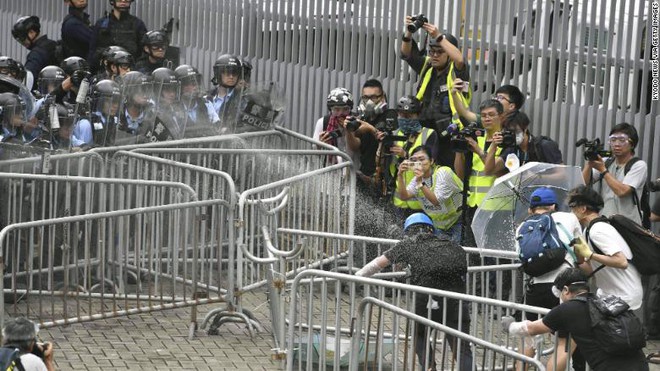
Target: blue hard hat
pixel 543 196
pixel 417 218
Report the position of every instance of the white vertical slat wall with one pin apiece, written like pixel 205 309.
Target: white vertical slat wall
pixel 584 64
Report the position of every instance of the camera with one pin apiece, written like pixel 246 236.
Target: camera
pixel 389 126
pixel 352 123
pixel 654 185
pixel 508 139
pixel 418 22
pixel 335 133
pixel 593 149
pixel 458 142
pixel 39 348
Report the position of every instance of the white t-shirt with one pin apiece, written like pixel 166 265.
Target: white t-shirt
pixel 624 283
pixel 32 363
pixel 341 144
pixel 568 227
pixel 614 204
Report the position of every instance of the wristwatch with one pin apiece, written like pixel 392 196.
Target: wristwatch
pixel 424 184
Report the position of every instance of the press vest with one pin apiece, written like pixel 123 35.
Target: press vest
pixel 480 183
pixel 427 73
pixel 446 214
pixel 421 139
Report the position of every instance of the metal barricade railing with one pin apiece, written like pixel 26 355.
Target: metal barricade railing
pixel 28 197
pixel 55 163
pixel 115 263
pixel 319 199
pixel 322 332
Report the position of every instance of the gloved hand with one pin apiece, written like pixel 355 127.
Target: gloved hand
pixel 506 322
pixel 78 76
pixel 581 248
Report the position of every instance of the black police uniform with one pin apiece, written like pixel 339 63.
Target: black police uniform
pixel 76 33
pixel 126 32
pixel 41 54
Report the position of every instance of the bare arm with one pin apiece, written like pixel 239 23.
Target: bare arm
pixel 561 355
pixel 401 182
pixel 617 260
pixel 458 102
pixel 493 164
pixel 453 52
pixel 406 46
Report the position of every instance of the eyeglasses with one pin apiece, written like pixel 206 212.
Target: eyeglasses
pixel 340 109
pixel 501 97
pixel 372 97
pixel 489 115
pixel 618 139
pixel 436 51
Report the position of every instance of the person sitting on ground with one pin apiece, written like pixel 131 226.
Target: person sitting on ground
pixel 20 334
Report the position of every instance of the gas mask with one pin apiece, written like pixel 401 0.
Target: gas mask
pixel 369 109
pixel 409 126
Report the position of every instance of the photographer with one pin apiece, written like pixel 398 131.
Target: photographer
pixel 479 182
pixel 20 334
pixel 438 190
pixel 408 109
pixel 331 128
pixel 436 78
pixel 511 98
pixel 619 179
pixel 519 146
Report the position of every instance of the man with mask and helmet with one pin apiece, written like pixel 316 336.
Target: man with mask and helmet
pixel 76 30
pixel 332 129
pixel 119 63
pixel 106 98
pixel 117 28
pixel 200 114
pixel 137 113
pixel 438 263
pixel 409 109
pixel 12 118
pixel 154 46
pixel 42 50
pixel 437 73
pixel 169 121
pixel 225 96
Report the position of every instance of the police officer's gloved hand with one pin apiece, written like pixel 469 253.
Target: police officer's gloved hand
pixel 78 76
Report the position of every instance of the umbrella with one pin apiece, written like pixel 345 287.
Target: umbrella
pixel 505 206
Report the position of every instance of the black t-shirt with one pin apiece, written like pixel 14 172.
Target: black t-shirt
pixel 369 144
pixel 434 262
pixel 573 317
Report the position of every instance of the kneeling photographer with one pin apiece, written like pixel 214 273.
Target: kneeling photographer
pixel 619 177
pixel 20 347
pixel 519 146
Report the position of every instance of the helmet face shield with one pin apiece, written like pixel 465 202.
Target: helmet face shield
pixel 191 86
pixel 13 115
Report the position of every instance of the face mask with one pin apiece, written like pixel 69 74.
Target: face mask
pixel 519 138
pixel 409 126
pixel 371 109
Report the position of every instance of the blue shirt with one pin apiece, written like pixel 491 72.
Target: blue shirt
pixel 219 101
pixel 82 133
pixel 210 109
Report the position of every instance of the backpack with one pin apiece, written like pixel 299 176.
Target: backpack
pixel 644 245
pixel 537 148
pixel 616 329
pixel 541 250
pixel 10 359
pixel 644 203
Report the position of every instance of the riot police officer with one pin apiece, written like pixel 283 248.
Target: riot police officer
pixel 42 50
pixel 155 44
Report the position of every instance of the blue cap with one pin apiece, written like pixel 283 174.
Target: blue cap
pixel 417 218
pixel 543 196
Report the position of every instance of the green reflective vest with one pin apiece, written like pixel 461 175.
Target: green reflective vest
pixel 479 182
pixel 421 139
pixel 427 72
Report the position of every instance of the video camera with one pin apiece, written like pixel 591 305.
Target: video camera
pixel 418 22
pixel 593 149
pixel 389 126
pixel 352 123
pixel 458 142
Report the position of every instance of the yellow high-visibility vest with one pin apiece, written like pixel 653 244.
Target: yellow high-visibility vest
pixel 421 139
pixel 480 183
pixel 427 72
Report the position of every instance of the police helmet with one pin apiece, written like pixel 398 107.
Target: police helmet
pixel 8 66
pixel 417 219
pixel 73 64
pixel 121 57
pixel 339 97
pixel 156 37
pixel 226 63
pixel 65 114
pixel 164 78
pixel 135 82
pixel 23 25
pixel 49 79
pixel 11 105
pixel 409 103
pixel 104 94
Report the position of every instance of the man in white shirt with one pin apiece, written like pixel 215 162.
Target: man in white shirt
pixel 605 248
pixel 21 334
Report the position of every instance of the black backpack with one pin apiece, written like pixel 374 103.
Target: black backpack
pixel 10 359
pixel 537 149
pixel 616 329
pixel 644 244
pixel 644 203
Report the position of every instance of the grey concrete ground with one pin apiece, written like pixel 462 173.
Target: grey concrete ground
pixel 159 341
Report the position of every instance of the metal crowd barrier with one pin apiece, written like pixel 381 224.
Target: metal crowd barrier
pixel 55 163
pixel 148 259
pixel 323 333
